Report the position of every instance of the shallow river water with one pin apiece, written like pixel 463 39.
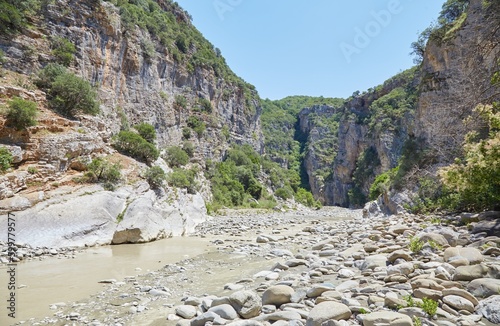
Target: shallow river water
pixel 54 280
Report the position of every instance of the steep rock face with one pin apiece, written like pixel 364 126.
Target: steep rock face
pixel 456 77
pixel 143 87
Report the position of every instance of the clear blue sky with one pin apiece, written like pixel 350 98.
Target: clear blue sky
pixel 316 47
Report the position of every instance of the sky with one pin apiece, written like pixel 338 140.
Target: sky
pixel 327 48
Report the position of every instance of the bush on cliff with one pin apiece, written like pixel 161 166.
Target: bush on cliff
pixel 5 159
pixel 21 113
pixel 102 171
pixel 132 144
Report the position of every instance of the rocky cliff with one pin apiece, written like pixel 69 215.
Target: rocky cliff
pixel 140 77
pixel 427 109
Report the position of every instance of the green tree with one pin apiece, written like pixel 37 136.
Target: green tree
pixel 146 131
pixel 71 95
pixel 21 113
pixel 48 75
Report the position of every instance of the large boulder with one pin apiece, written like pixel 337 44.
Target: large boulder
pixel 484 287
pixel 277 295
pixel 490 309
pixel 490 227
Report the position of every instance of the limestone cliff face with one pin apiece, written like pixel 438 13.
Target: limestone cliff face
pixel 135 84
pixel 143 87
pixel 452 80
pixel 334 149
pixel 456 77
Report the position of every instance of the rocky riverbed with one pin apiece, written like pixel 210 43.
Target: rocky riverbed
pixel 327 267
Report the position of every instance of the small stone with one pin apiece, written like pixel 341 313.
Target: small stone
pixel 185 311
pixel 484 287
pixel 469 273
pixel 461 293
pixel 246 303
pixel 318 289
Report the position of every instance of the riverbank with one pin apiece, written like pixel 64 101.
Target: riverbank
pixel 307 266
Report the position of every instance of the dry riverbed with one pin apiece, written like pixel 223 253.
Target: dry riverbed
pixel 309 267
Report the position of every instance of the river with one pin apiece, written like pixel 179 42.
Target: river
pixel 54 280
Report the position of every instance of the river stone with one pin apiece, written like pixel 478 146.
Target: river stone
pixel 318 289
pixel 461 293
pixel 399 254
pixel 372 262
pixel 281 315
pixel 327 310
pixel 386 318
pixel 469 273
pixel 347 285
pixel 185 311
pixel 427 293
pixel 458 303
pixel 491 228
pixel 245 323
pixel 277 295
pixel 394 303
pixel 472 255
pixel 436 237
pixel 490 309
pixel 426 283
pixel 403 269
pixel 346 273
pixel 484 287
pixel 202 319
pixel 296 262
pixel 226 311
pixel 370 247
pixel 246 303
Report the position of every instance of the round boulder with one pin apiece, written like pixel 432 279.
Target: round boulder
pixel 277 295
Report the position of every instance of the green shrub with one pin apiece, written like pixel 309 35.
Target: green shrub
pixel 197 125
pixel 186 133
pixel 181 178
pixel 48 75
pixel 132 144
pixel 63 50
pixel 476 179
pixel 180 102
pixel 415 245
pixel 146 131
pixel 429 306
pixel 70 95
pixel 21 113
pixel 13 14
pixel 5 159
pixel 379 185
pixel 284 193
pixel 176 157
pixel 155 176
pixel 306 198
pixel 102 171
pixel 206 105
pixel 32 170
pixel 188 147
